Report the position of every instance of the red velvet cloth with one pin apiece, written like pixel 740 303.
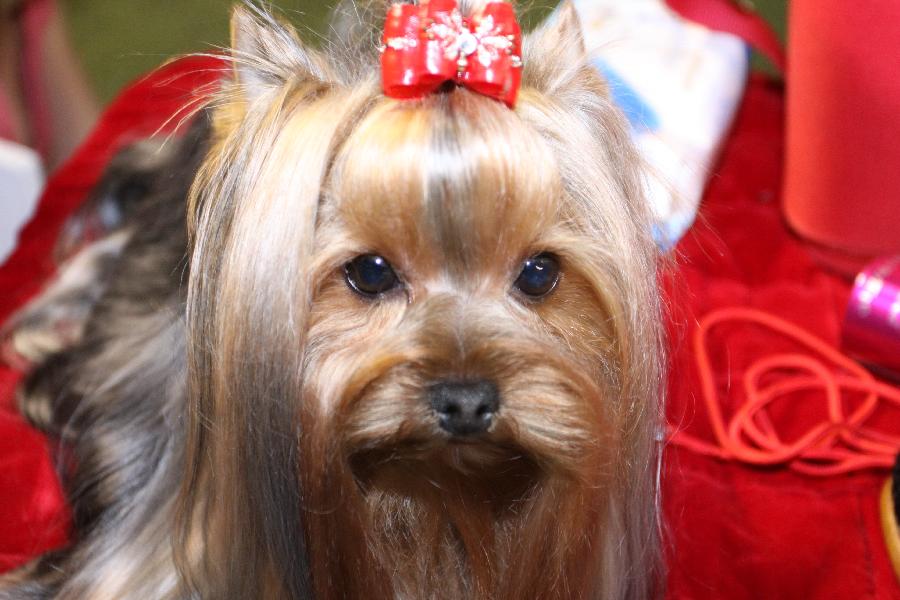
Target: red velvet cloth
pixel 731 531
pixel 739 532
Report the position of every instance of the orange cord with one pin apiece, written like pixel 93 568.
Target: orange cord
pixel 841 444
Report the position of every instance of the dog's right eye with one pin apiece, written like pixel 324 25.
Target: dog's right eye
pixel 539 275
pixel 370 275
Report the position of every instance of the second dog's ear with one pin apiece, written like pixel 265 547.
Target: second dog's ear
pixel 267 53
pixel 555 56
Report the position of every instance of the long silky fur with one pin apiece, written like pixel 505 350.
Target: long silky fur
pixel 235 423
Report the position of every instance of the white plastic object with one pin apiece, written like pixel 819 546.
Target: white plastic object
pixel 679 84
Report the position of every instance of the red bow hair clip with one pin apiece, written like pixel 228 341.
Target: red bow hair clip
pixel 432 43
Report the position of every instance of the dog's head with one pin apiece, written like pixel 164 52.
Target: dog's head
pixel 435 305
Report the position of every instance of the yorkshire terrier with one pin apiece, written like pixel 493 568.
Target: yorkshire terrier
pixel 352 340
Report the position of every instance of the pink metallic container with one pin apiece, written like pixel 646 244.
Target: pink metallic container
pixel 872 324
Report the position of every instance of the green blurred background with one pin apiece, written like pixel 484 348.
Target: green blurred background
pixel 122 39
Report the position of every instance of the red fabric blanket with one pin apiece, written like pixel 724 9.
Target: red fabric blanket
pixel 732 531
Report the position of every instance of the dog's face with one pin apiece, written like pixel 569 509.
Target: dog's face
pixel 431 323
pixel 457 327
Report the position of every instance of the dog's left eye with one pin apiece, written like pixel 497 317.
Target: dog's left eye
pixel 370 275
pixel 539 275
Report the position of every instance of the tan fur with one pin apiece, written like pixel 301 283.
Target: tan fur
pixel 455 190
pixel 314 465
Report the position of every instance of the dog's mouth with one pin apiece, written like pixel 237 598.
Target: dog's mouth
pixel 468 469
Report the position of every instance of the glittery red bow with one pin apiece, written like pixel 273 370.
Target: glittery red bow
pixel 432 43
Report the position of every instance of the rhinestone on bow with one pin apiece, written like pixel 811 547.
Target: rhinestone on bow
pixel 459 42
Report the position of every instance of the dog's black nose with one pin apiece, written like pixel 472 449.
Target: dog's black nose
pixel 464 407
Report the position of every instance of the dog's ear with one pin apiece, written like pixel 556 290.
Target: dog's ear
pixel 555 56
pixel 268 53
